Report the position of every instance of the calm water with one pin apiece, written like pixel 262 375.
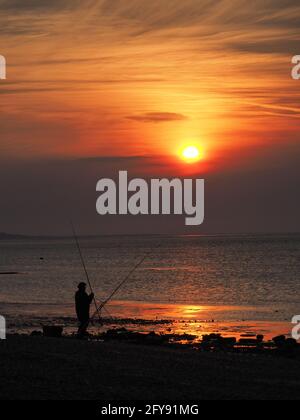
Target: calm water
pixel 236 280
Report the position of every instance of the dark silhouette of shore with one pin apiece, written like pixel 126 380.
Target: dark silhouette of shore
pixel 45 368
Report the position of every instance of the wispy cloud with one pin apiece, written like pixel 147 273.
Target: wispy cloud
pixel 212 67
pixel 158 117
pixel 38 5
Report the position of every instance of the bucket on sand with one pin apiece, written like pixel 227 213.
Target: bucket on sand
pixel 53 331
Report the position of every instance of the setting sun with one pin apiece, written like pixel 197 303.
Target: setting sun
pixel 191 154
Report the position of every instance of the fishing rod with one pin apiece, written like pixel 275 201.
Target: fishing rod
pixel 85 270
pixel 103 304
pixel 105 309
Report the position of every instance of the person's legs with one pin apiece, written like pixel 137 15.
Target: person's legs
pixel 83 326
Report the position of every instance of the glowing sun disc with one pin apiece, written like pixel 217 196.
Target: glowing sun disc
pixel 191 154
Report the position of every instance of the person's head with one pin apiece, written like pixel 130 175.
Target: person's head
pixel 82 287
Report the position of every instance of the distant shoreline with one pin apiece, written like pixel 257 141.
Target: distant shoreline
pixel 13 237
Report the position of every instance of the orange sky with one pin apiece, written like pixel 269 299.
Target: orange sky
pixel 114 78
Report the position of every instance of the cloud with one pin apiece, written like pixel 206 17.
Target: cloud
pixel 156 15
pixel 32 5
pixel 100 65
pixel 80 72
pixel 116 159
pixel 158 117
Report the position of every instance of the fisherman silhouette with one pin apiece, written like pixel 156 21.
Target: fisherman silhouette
pixel 83 302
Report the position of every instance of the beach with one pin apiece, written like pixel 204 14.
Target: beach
pixel 38 368
pixel 192 288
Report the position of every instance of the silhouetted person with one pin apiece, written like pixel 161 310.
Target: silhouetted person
pixel 83 302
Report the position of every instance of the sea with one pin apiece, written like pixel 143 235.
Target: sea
pixel 229 284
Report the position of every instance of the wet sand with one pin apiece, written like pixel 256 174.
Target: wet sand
pixel 43 368
pixel 230 321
